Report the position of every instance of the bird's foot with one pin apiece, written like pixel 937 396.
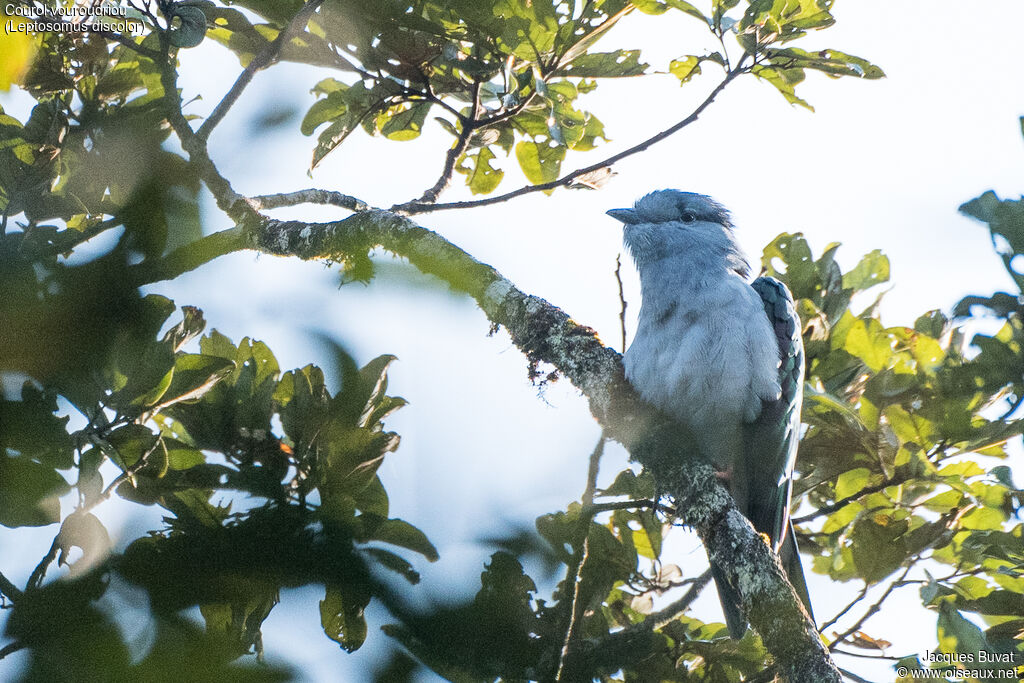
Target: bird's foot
pixel 724 475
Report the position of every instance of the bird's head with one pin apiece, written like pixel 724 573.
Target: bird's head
pixel 671 222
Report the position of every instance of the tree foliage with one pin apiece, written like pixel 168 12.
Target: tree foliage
pixel 268 479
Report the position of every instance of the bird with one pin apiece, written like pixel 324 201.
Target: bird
pixel 724 357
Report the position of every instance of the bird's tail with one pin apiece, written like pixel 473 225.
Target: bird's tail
pixel 790 559
pixel 730 599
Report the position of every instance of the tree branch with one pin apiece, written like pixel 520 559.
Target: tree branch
pixel 309 196
pixel 416 208
pixel 229 201
pixel 575 572
pixel 264 59
pixel 189 257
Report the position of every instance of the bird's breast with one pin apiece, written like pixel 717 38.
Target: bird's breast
pixel 709 359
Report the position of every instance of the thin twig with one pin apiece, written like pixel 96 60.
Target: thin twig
pixel 128 43
pixel 266 57
pixel 8 589
pixel 671 611
pixel 569 177
pixel 229 201
pixel 622 299
pixel 839 504
pixel 39 573
pixel 862 655
pixel 309 196
pixel 871 611
pixel 852 676
pixel 575 572
pixel 469 125
pixel 638 504
pixel 11 648
pixel 863 593
pixel 658 619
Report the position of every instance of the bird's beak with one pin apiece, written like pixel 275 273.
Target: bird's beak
pixel 627 216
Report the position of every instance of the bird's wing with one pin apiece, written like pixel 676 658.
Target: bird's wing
pixel 770 441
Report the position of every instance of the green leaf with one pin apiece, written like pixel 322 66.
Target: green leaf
pixel 85 531
pixel 687 8
pixel 401 533
pixel 1005 220
pixel 617 64
pixel 842 517
pixel 852 481
pixel 685 68
pixel 347 107
pixel 481 176
pixel 872 270
pixel 876 549
pixel 985 519
pixel 651 6
pixel 540 162
pixel 867 340
pixel 194 375
pixel 395 563
pixel 327 109
pixel 788 257
pixel 280 12
pixel 16 50
pixel 944 502
pixel 785 81
pixel 29 492
pixel 341 615
pixel 957 634
pixel 147 376
pixel 406 124
pixel 30 428
pixel 830 62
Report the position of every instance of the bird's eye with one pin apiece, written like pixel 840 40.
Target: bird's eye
pixel 688 217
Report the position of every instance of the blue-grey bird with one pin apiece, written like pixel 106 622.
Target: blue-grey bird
pixel 724 357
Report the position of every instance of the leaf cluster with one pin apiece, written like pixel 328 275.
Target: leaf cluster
pixel 188 431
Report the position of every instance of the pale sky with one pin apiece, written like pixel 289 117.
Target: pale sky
pixel 880 164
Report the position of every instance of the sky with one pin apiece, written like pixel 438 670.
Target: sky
pixel 879 165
